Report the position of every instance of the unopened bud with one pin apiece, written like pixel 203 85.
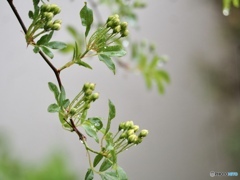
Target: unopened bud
pixel 143 133
pixel 130 132
pixel 86 86
pixel 48 15
pixel 139 140
pixel 125 33
pixel 95 96
pixel 121 126
pixel 132 139
pixel 123 135
pixel 129 124
pixel 44 7
pixel 72 111
pixel 56 26
pixel 88 92
pixel 92 86
pixel 117 29
pixel 124 26
pixel 135 128
pixel 58 21
pixel 48 25
pixel 55 9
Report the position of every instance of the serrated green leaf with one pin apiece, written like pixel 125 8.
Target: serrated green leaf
pixel 108 61
pixel 54 89
pixel 56 45
pixel 121 173
pixel 45 39
pixel 53 108
pixel 97 159
pixel 105 165
pixel 36 49
pixel 84 64
pixel 30 14
pixel 89 175
pixel 113 51
pixel 47 51
pixel 90 130
pixel 86 15
pixel 96 122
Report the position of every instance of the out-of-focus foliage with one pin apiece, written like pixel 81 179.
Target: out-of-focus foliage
pixel 53 168
pixel 227 4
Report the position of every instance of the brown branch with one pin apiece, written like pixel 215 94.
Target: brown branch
pixel 80 135
pixel 57 74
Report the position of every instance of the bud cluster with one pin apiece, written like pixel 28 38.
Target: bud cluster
pixel 112 31
pixel 48 11
pixel 82 101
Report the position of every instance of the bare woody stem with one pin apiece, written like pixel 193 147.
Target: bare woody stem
pixel 54 69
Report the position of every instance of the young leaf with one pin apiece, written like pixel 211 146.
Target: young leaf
pixel 56 45
pixel 105 165
pixel 90 130
pixel 96 122
pixel 53 108
pixel 62 97
pixel 47 51
pixel 97 159
pixel 84 64
pixel 89 175
pixel 109 176
pixel 108 61
pixel 116 51
pixel 112 110
pixel 86 15
pixel 30 14
pixel 45 39
pixel 66 102
pixel 121 173
pixel 54 89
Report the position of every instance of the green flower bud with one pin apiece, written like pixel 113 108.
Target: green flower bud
pixel 55 9
pixel 95 96
pixel 72 111
pixel 56 26
pixel 110 18
pixel 88 92
pixel 116 16
pixel 138 141
pixel 116 22
pixel 125 33
pixel 129 124
pixel 58 21
pixel 92 86
pixel 44 7
pixel 132 139
pixel 130 132
pixel 143 133
pixel 48 15
pixel 123 26
pixel 87 106
pixel 48 25
pixel 85 86
pixel 121 126
pixel 123 135
pixel 117 29
pixel 110 24
pixel 135 128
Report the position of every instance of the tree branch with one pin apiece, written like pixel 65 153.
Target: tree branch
pixel 57 74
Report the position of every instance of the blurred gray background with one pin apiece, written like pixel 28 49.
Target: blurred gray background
pixel 183 142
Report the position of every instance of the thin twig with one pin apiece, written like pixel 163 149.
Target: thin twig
pixel 57 74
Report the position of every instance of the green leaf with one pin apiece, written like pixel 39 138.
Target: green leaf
pixel 62 119
pixel 109 141
pixel 148 80
pixel 116 51
pixel 66 102
pixel 236 3
pixel 36 8
pixel 47 51
pixel 86 15
pixel 56 45
pixel 153 63
pixel 84 64
pixel 112 110
pixel 121 174
pixel 96 122
pixel 90 130
pixel 105 165
pixel 72 31
pixel 62 97
pixel 97 159
pixel 54 89
pixel 164 75
pixel 45 39
pixel 30 14
pixel 108 61
pixel 142 62
pixel 89 175
pixel 109 176
pixel 53 108
pixel 36 49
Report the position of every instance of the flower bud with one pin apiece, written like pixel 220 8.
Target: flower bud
pixel 55 9
pixel 116 16
pixel 135 128
pixel 56 26
pixel 95 96
pixel 138 141
pixel 48 25
pixel 58 21
pixel 92 86
pixel 87 106
pixel 117 29
pixel 44 8
pixel 123 135
pixel 72 111
pixel 123 26
pixel 121 126
pixel 88 92
pixel 110 18
pixel 129 124
pixel 143 133
pixel 86 86
pixel 110 24
pixel 48 15
pixel 116 22
pixel 125 33
pixel 132 139
pixel 130 132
